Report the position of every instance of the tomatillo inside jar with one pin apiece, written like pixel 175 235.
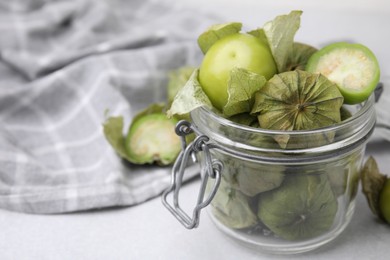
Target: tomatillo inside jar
pixel 278 191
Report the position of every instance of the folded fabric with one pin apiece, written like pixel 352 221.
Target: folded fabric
pixel 63 65
pixel 382 130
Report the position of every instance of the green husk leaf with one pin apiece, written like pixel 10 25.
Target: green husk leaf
pixel 151 109
pixel 190 97
pixel 280 34
pixel 287 141
pixel 244 119
pixel 250 178
pixel 242 87
pixel 299 56
pixel 338 179
pixel 216 32
pixel 232 208
pixel 354 173
pixel 372 184
pixel 113 131
pixel 260 34
pixel 177 80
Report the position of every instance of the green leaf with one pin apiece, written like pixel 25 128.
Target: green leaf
pixel 231 207
pixel 177 79
pixel 242 86
pixel 113 131
pixel 244 119
pixel 280 34
pixel 216 32
pixel 372 184
pixel 190 97
pixel 299 56
pixel 260 34
pixel 151 109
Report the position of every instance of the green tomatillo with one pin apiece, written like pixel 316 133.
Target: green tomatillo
pixel 384 198
pixel 233 51
pixel 376 188
pixel 150 139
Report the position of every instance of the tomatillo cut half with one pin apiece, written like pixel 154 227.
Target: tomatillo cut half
pixel 152 138
pixel 353 67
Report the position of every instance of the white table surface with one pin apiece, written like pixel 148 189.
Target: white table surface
pixel 148 231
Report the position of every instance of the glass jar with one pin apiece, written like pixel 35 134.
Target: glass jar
pixel 280 191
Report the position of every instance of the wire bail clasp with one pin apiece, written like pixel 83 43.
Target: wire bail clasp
pixel 211 169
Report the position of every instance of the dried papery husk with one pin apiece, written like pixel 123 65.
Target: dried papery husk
pixel 250 178
pixel 372 184
pixel 298 57
pixel 299 100
pixel 232 208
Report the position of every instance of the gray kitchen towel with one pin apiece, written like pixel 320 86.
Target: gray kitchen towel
pixel 382 131
pixel 63 65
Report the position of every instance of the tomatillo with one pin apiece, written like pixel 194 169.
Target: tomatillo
pixel 233 51
pixel 353 67
pixel 152 138
pixel 384 201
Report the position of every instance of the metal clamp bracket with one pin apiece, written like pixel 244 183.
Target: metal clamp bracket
pixel 212 169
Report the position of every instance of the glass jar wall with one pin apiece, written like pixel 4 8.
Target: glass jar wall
pixel 286 192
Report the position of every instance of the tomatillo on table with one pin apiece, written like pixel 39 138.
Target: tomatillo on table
pixel 376 188
pixel 152 138
pixel 384 201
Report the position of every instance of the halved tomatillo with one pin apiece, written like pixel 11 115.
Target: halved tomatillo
pixel 353 67
pixel 152 138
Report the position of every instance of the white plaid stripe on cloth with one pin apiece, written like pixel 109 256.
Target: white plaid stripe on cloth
pixel 63 64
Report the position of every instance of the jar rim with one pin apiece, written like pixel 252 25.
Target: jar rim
pixel 366 105
pixel 340 138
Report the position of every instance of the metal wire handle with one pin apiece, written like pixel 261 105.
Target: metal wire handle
pixel 212 169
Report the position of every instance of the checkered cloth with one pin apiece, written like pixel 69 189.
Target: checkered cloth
pixel 63 65
pixel 382 131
